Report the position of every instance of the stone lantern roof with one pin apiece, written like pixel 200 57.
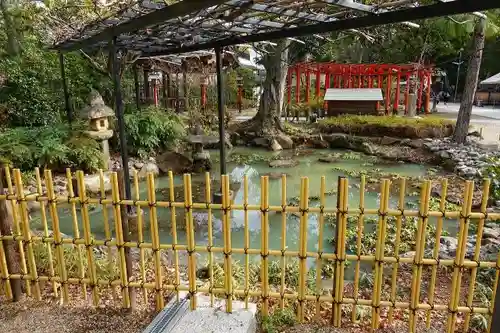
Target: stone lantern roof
pixel 97 109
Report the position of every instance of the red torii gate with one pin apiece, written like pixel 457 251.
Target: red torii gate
pixel 361 76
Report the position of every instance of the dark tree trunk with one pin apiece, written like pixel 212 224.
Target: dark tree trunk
pixel 463 120
pixel 267 121
pixel 13 47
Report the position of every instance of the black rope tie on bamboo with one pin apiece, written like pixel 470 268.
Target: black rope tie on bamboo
pixel 226 210
pixel 264 255
pixel 207 205
pixel 320 255
pixel 107 241
pixel 187 208
pixel 361 210
pixel 303 211
pixel 209 248
pixel 227 254
pixel 70 198
pixel 382 214
pixel 152 204
pixel 139 244
pixel 245 250
pixel 322 209
pixel 245 207
pixel 283 208
pixel 402 212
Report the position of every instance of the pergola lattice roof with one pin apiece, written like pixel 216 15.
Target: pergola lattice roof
pixel 156 29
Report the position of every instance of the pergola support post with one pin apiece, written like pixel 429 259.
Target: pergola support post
pixel 67 104
pixel 119 117
pixel 136 87
pixel 164 88
pixel 177 92
pixel 220 107
pixel 147 91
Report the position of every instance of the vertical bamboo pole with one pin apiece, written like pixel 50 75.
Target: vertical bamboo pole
pixel 460 256
pixel 9 254
pixel 319 260
pixel 88 237
pixel 27 233
pixel 57 235
pixel 420 90
pixel 479 236
pixel 226 208
pixel 43 215
pixel 18 229
pixel 304 207
pixel 208 200
pixel 119 239
pixel 107 229
pixel 4 271
pixel 153 218
pixel 435 254
pixel 358 243
pixel 341 244
pixel 140 234
pixel 188 203
pixel 264 244
pixel 395 266
pixel 283 239
pixel 379 253
pixel 174 230
pixel 495 302
pixel 247 238
pixel 419 254
pixel 76 232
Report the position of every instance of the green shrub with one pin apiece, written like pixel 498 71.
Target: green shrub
pixel 152 129
pixel 279 319
pixel 54 147
pixel 492 171
pixel 385 121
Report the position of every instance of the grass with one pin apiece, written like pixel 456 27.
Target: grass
pixel 278 320
pixel 385 121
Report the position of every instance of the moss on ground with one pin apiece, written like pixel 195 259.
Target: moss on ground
pixel 400 127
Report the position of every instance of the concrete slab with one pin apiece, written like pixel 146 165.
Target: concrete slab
pixel 177 318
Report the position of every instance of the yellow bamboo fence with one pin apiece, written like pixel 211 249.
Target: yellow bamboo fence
pixel 117 245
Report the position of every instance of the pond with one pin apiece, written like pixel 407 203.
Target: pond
pixel 308 165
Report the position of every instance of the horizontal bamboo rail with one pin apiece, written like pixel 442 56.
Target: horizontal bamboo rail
pixel 157 285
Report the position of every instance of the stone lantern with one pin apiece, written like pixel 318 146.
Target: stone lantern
pixel 98 115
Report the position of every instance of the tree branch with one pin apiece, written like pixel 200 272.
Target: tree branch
pixel 95 64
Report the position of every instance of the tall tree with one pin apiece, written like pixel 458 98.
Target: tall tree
pixel 464 114
pixel 13 48
pixel 267 122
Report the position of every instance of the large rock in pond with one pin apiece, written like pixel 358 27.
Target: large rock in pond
pixel 285 141
pixel 283 163
pixel 147 168
pixel 261 142
pixel 93 183
pixel 175 162
pixel 275 146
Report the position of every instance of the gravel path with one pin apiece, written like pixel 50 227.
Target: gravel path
pixel 30 316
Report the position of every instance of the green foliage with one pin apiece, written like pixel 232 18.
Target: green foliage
pixel 278 320
pixel 151 130
pixel 492 171
pixel 247 159
pixel 369 237
pixel 53 147
pixel 73 259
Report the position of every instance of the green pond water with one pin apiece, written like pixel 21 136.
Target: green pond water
pixel 308 166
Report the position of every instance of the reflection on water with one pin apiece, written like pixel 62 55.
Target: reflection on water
pixel 308 166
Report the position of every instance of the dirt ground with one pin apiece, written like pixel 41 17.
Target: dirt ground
pixel 30 316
